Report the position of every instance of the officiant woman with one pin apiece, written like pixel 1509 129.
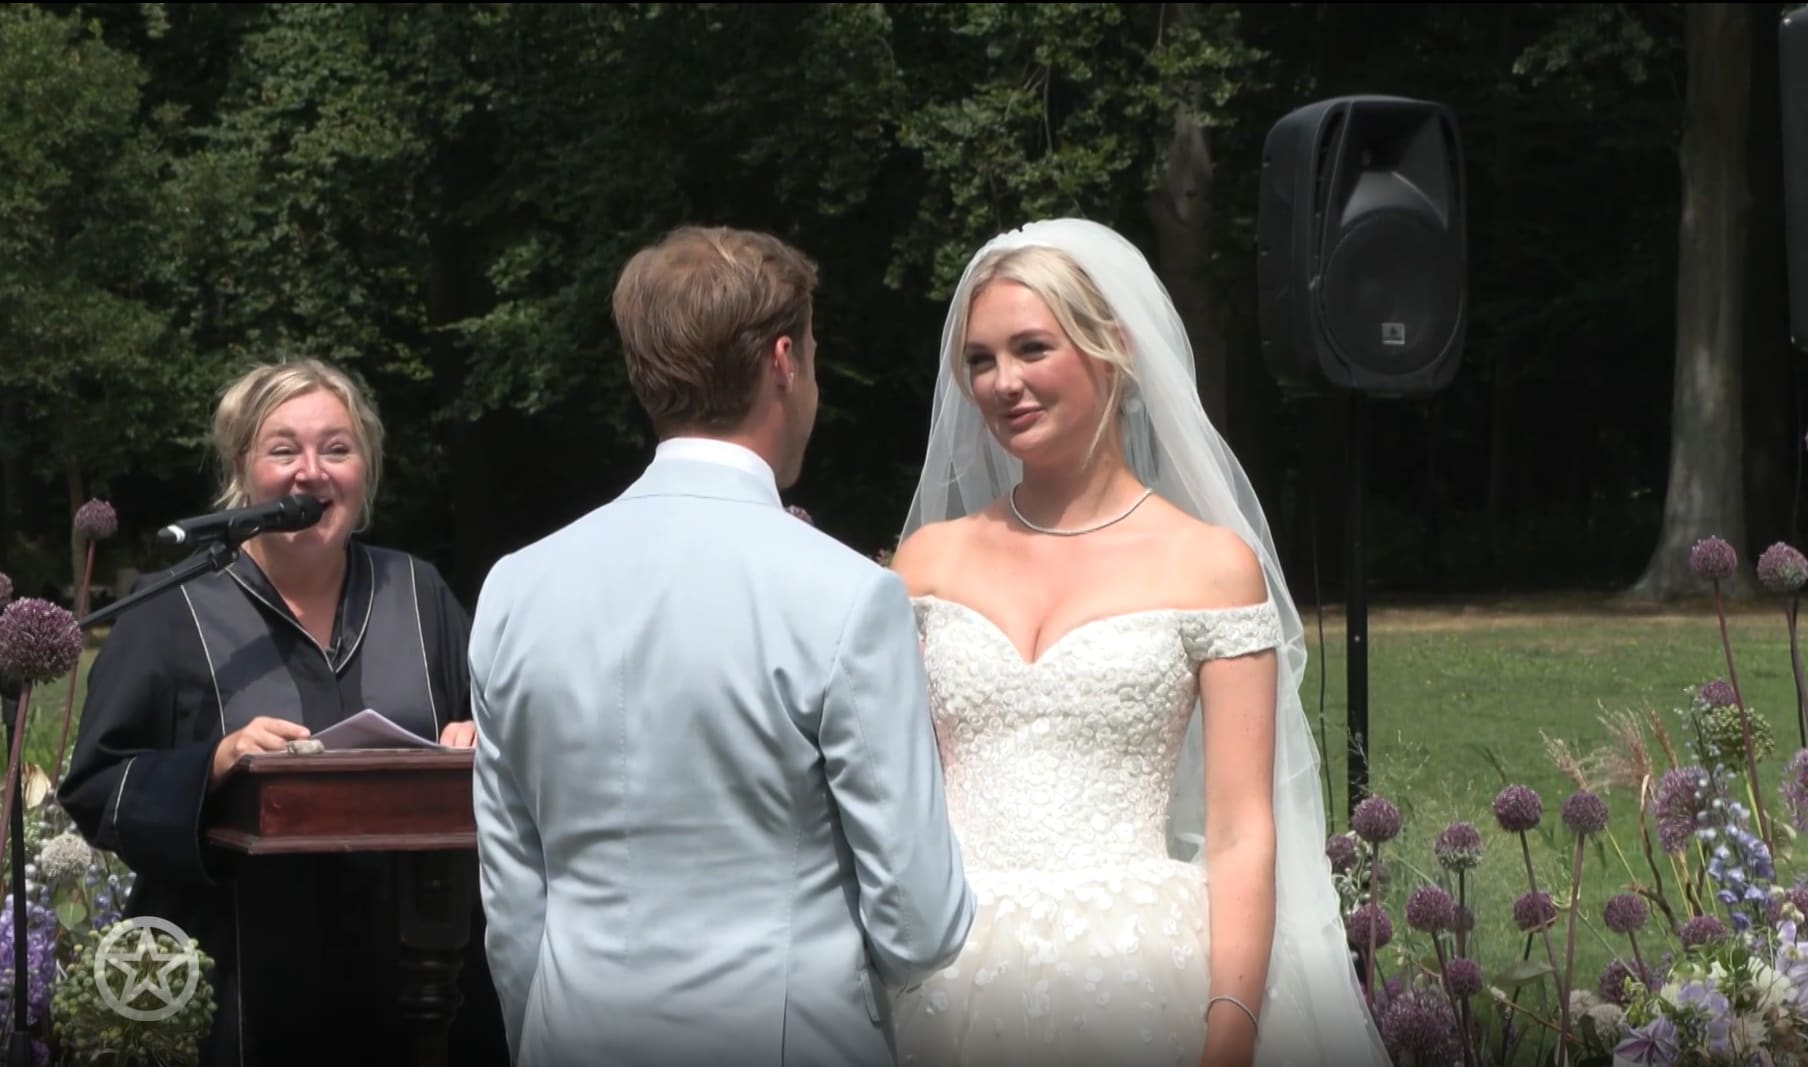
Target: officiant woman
pixel 305 629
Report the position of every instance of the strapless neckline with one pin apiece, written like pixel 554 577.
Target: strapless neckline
pixel 1117 618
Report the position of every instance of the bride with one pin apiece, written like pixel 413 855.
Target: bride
pixel 1114 664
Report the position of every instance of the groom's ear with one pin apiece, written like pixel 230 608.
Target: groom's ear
pixel 784 361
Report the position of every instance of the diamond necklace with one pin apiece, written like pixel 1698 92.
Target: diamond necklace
pixel 1095 527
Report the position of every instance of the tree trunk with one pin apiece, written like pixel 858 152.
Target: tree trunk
pixel 1705 496
pixel 1180 211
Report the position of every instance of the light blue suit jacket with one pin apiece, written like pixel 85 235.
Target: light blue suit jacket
pixel 709 803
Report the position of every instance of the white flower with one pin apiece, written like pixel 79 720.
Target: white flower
pixel 65 857
pixel 1607 1019
pixel 1770 987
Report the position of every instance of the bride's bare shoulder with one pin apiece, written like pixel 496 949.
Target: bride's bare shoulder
pixel 934 549
pixel 1215 566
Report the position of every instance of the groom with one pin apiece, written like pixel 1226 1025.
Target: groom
pixel 709 804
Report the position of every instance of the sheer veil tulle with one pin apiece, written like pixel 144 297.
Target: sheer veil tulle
pixel 1172 447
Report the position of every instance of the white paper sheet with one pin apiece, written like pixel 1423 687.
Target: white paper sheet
pixel 371 729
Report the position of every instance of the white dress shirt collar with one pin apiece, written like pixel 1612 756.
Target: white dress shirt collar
pixel 725 453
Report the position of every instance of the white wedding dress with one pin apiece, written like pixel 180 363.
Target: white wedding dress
pixel 1090 943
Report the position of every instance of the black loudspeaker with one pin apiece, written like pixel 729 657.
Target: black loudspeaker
pixel 1363 251
pixel 1793 45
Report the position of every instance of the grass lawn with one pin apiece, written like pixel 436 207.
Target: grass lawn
pixel 1457 701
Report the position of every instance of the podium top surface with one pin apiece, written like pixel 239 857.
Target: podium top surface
pixel 355 760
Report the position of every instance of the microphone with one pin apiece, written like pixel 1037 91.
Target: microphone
pixel 297 511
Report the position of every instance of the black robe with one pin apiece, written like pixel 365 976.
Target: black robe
pixel 304 947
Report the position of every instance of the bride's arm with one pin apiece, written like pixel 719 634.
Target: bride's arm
pixel 1237 695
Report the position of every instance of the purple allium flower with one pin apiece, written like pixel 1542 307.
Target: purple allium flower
pixel 96 520
pixel 1340 849
pixel 39 641
pixel 1518 809
pixel 1678 801
pixel 1584 813
pixel 1534 911
pixel 6 589
pixel 1712 559
pixel 1459 847
pixel 1356 928
pixel 1795 790
pixel 1462 977
pixel 800 513
pixel 1702 930
pixel 1430 909
pixel 1375 820
pixel 1626 913
pixel 1782 569
pixel 1613 984
pixel 1417 1028
pixel 1718 694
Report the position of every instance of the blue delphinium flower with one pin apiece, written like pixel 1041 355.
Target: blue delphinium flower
pixel 1654 1043
pixel 40 958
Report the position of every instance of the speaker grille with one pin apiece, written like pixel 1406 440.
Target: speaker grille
pixel 1390 296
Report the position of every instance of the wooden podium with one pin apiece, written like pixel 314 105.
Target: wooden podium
pixel 413 803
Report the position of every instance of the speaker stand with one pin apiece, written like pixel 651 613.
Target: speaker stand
pixel 1356 604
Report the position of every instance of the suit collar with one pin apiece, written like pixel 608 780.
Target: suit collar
pixel 680 475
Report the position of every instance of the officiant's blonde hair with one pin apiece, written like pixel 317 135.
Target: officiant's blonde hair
pixel 249 399
pixel 697 313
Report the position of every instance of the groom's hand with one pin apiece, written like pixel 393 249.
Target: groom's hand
pixel 459 735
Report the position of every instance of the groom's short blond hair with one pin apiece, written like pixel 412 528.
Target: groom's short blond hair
pixel 697 313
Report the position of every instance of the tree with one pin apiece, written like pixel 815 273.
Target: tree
pixel 84 216
pixel 1705 495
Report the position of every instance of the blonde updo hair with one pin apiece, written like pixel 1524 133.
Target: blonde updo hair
pixel 1077 305
pixel 249 400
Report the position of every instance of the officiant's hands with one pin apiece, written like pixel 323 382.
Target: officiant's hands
pixel 262 734
pixel 459 735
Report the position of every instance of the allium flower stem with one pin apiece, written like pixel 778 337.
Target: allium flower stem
pixel 1456 1005
pixel 1795 666
pixel 1726 645
pixel 1643 975
pixel 1569 948
pixel 1462 906
pixel 1375 900
pixel 11 786
pixel 1550 951
pixel 1751 760
pixel 81 610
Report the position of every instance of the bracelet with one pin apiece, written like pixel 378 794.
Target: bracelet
pixel 1238 1003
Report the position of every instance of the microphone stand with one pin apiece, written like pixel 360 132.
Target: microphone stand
pixel 216 556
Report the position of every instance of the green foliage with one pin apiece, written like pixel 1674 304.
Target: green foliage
pixel 1037 110
pixel 1586 39
pixel 84 260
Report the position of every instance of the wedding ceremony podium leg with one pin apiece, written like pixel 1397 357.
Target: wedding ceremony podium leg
pixel 436 892
pixel 414 805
